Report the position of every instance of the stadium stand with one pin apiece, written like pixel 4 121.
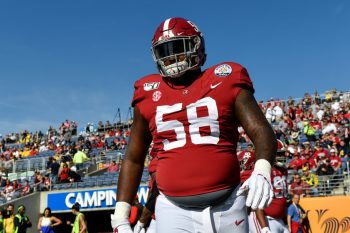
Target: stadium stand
pixel 314 131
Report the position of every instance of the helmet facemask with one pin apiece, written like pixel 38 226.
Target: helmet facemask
pixel 177 55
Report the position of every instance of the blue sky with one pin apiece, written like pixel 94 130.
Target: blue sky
pixel 78 60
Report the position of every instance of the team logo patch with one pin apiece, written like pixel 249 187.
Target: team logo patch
pixel 151 86
pixel 156 96
pixel 223 70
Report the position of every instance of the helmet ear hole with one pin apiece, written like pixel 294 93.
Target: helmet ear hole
pixel 197 60
pixel 197 42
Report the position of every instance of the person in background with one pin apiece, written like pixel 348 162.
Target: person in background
pixel 1 223
pixel 54 169
pixel 79 225
pixel 335 162
pixel 73 175
pixel 79 158
pixel 343 152
pixel 298 186
pixel 297 163
pixel 21 221
pixel 295 216
pixel 64 174
pixel 311 180
pixel 46 185
pixel 26 188
pixel 47 222
pixel 113 167
pixel 9 225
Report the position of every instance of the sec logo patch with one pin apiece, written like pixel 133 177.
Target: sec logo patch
pixel 223 70
pixel 156 96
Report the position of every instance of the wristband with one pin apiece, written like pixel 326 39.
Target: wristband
pixel 263 167
pixel 122 210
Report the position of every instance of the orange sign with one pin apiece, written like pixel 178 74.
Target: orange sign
pixel 328 214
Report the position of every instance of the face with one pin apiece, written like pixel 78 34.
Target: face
pixel 22 211
pixel 296 178
pixel 296 199
pixel 172 60
pixel 10 209
pixel 47 212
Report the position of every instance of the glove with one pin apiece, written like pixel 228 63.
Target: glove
pixel 120 219
pixel 265 230
pixel 138 227
pixel 260 191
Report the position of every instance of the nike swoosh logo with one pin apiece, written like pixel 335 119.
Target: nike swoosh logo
pixel 239 222
pixel 215 85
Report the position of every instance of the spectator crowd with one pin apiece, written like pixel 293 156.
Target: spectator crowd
pixel 70 153
pixel 313 132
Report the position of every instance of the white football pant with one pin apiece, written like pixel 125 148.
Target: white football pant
pixel 228 217
pixel 275 225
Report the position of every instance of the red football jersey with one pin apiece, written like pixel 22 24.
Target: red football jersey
pixel 152 167
pixel 278 208
pixel 194 129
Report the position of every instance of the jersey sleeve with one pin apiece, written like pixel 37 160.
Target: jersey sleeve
pixel 138 95
pixel 240 79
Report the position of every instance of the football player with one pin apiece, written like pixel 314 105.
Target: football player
pixel 192 116
pixel 271 218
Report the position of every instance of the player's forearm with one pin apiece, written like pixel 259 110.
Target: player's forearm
pixel 129 181
pixel 256 126
pixel 146 215
pixel 265 143
pixel 132 167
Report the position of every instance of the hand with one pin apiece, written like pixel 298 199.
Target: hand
pixel 120 218
pixel 260 191
pixel 69 223
pixel 120 226
pixel 138 227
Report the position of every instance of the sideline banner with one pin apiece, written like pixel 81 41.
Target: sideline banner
pixel 328 214
pixel 89 199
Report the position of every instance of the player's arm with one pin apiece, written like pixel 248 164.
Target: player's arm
pixel 131 170
pixel 149 207
pixel 256 126
pixel 260 215
pixel 260 132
